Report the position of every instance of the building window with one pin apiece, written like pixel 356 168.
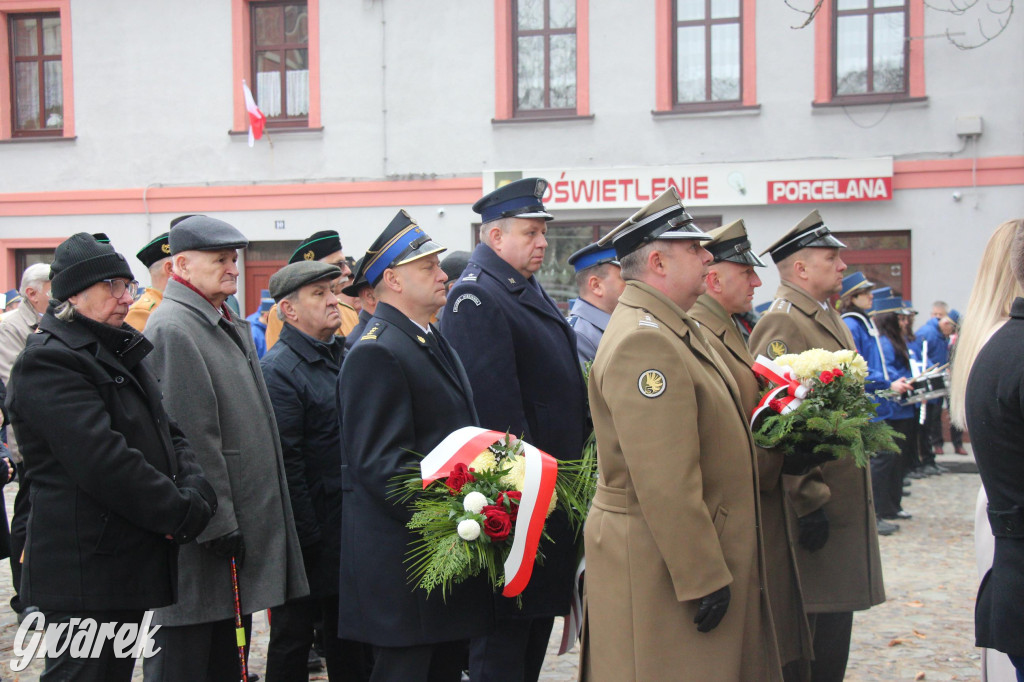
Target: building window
pixel 280 61
pixel 541 59
pixel 871 47
pixel 545 56
pixel 708 51
pixel 705 55
pixel 36 74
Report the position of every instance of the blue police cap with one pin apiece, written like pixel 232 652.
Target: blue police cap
pixel 591 255
pixel 519 199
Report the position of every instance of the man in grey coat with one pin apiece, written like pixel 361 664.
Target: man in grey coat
pixel 213 387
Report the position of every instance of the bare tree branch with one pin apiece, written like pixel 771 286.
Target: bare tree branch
pixel 811 13
pixel 957 8
pixel 1002 16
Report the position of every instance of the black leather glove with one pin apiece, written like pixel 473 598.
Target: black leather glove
pixel 711 609
pixel 229 545
pixel 813 530
pixel 201 486
pixel 196 518
pixel 803 459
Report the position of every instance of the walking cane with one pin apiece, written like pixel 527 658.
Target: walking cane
pixel 239 630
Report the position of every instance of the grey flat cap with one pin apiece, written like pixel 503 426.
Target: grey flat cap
pixel 297 275
pixel 203 233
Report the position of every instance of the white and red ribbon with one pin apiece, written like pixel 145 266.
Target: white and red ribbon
pixel 789 392
pixel 462 446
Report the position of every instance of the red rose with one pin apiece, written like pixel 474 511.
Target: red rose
pixel 459 476
pixel 837 372
pixel 497 523
pixel 512 497
pixel 826 377
pixel 775 406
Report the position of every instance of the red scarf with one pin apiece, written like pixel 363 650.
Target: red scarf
pixel 223 310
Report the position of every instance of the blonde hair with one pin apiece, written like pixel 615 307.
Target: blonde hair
pixel 995 287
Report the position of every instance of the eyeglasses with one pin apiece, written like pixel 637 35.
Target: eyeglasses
pixel 119 286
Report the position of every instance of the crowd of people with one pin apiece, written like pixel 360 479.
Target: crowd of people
pixel 175 457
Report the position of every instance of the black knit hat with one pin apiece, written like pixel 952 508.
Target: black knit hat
pixel 80 261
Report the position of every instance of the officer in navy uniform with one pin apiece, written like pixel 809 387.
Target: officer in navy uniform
pixel 520 355
pixel 361 289
pixel 600 283
pixel 402 390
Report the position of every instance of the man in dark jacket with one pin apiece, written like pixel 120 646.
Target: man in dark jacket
pixel 995 417
pixel 301 372
pixel 402 390
pixel 114 482
pixel 520 355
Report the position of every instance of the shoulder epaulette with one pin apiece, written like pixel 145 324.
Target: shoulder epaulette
pixel 647 321
pixel 780 305
pixel 373 332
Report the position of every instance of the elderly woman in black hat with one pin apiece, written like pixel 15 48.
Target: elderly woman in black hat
pixel 115 484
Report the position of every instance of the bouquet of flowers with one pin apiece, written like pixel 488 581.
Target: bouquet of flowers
pixel 818 403
pixel 480 500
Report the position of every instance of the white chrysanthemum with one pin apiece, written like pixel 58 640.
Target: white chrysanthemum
pixel 483 462
pixel 474 502
pixel 469 530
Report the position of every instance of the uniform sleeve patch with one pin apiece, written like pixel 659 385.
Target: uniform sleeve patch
pixel 464 297
pixel 651 383
pixel 777 347
pixel 646 321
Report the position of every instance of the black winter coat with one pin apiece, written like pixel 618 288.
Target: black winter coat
pixel 397 398
pixel 995 417
pixel 302 380
pixel 520 356
pixel 101 456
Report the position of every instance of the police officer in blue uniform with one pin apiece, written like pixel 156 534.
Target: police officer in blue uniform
pixel 600 284
pixel 520 355
pixel 402 390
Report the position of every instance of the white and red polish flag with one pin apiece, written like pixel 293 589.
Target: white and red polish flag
pixel 256 117
pixel 462 446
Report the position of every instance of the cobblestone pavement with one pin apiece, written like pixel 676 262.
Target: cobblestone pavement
pixel 924 631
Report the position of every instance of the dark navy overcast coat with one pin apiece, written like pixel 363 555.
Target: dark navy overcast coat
pixel 520 355
pixel 396 398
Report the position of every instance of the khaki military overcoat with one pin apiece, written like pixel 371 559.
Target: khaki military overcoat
pixel 791 627
pixel 845 574
pixel 675 517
